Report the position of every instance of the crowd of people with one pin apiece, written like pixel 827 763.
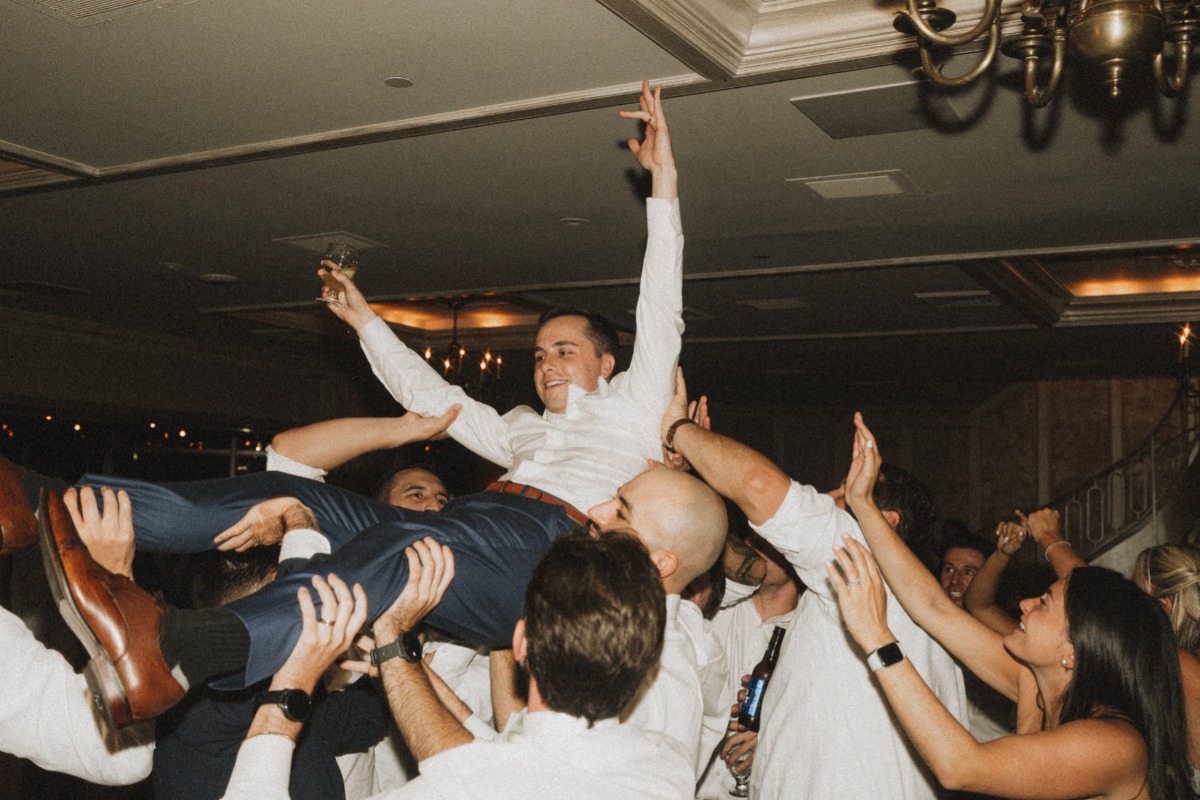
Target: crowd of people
pixel 585 626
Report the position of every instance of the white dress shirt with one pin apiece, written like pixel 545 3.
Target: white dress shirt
pixel 684 697
pixel 541 755
pixel 827 730
pixel 605 437
pixel 744 635
pixel 46 715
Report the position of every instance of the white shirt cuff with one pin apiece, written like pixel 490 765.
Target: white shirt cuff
pixel 263 767
pixel 303 543
pixel 479 729
pixel 278 462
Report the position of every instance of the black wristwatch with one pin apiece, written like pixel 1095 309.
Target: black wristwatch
pixel 296 704
pixel 885 656
pixel 407 646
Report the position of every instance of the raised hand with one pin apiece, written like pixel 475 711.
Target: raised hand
pixel 861 595
pixel 430 570
pixel 1042 525
pixel 420 428
pixel 323 639
pixel 265 524
pixel 348 305
pixel 864 465
pixel 108 536
pixel 1010 536
pixel 654 151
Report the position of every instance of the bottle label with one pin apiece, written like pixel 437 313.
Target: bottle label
pixel 754 694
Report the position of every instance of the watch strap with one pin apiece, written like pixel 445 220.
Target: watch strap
pixel 295 703
pixel 406 646
pixel 669 439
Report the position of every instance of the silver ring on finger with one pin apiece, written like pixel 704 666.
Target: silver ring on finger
pixel 854 582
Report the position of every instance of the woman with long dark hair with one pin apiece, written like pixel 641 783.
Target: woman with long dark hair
pixel 1092 666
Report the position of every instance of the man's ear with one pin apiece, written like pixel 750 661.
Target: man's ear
pixel 520 643
pixel 893 518
pixel 665 562
pixel 607 362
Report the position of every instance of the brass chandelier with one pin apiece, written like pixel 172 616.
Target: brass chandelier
pixel 1117 36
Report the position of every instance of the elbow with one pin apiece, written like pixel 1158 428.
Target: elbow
pixel 764 488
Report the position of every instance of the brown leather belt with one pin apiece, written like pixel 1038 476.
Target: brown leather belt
pixel 510 487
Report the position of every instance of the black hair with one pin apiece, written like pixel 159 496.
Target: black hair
pixel 967 541
pixel 1126 667
pixel 600 331
pixel 383 489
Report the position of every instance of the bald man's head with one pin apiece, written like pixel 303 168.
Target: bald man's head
pixel 679 519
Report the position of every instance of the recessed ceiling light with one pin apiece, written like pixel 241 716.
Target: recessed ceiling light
pixel 574 222
pixel 218 277
pixel 399 82
pixel 171 265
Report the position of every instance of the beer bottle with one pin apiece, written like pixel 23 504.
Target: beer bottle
pixel 759 677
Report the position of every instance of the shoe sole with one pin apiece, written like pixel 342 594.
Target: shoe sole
pixel 108 695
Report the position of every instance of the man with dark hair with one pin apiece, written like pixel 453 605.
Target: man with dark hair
pixel 591 630
pixel 963 555
pixel 598 330
pixel 822 702
pixel 897 489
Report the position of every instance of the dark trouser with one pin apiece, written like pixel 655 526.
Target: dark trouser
pixel 497 539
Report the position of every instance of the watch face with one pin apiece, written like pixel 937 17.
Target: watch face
pixel 296 705
pixel 411 643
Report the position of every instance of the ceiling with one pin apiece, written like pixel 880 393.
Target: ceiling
pixel 162 155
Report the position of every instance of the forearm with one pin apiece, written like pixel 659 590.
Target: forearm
pixel 745 476
pixel 944 744
pixel 505 700
pixel 329 444
pixel 427 725
pixel 922 597
pixel 980 598
pixel 1061 555
pixel 418 387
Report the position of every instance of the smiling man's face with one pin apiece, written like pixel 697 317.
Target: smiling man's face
pixel 564 355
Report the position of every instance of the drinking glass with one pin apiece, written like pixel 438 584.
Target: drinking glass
pixel 741 778
pixel 345 258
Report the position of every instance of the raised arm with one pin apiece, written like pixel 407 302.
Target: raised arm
pixel 978 647
pixel 414 383
pixel 733 470
pixel 263 766
pixel 659 312
pixel 980 597
pixel 428 726
pixel 1043 527
pixel 1085 758
pixel 329 444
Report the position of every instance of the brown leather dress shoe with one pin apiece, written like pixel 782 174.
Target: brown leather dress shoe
pixel 18 528
pixel 114 619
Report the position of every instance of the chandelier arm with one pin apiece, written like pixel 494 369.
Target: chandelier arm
pixel 926 34
pixel 1173 85
pixel 934 72
pixel 1040 97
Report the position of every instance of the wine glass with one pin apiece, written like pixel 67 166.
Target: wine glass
pixel 343 257
pixel 741 778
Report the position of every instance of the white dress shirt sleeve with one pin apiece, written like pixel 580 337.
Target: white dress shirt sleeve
pixel 650 379
pixel 805 529
pixel 263 769
pixel 278 462
pixel 418 387
pixel 46 715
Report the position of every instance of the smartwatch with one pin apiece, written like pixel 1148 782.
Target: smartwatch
pixel 407 647
pixel 885 656
pixel 296 704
